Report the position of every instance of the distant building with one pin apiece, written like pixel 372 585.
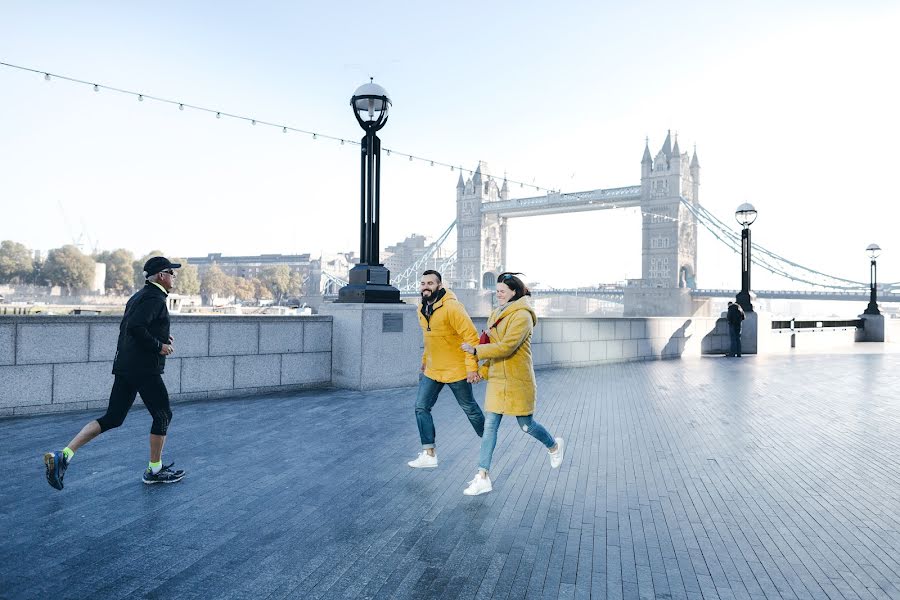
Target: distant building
pixel 250 267
pixel 400 256
pixel 98 284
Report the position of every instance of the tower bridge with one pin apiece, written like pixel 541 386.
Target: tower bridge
pixel 670 182
pixel 668 199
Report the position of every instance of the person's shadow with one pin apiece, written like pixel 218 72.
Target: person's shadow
pixel 674 348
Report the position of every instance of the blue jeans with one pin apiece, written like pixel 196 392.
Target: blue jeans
pixel 428 395
pixel 489 440
pixel 734 332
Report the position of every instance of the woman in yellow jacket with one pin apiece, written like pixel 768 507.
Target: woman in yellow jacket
pixel 510 375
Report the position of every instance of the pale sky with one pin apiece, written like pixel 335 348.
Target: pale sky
pixel 793 106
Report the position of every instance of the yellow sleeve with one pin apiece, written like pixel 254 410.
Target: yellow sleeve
pixel 517 330
pixel 465 329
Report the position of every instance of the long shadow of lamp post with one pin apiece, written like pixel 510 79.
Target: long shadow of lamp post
pixel 872 309
pixel 745 215
pixel 370 280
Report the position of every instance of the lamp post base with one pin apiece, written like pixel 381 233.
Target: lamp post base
pixel 369 284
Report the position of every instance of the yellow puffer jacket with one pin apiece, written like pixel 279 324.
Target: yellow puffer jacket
pixel 511 388
pixel 444 333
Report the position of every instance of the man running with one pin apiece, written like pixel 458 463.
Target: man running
pixel 144 342
pixel 445 326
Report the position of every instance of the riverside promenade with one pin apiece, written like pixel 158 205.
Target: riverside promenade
pixel 762 477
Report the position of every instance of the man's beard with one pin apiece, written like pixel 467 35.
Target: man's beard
pixel 428 297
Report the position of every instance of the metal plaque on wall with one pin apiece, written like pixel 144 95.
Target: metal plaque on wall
pixel 392 322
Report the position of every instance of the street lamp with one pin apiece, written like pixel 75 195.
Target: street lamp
pixel 745 215
pixel 874 250
pixel 370 280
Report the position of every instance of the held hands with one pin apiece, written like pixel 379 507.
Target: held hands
pixel 167 349
pixel 473 377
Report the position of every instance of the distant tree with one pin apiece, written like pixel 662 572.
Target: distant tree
pixel 67 267
pixel 119 270
pixel 15 262
pixel 139 279
pixel 188 281
pixel 244 289
pixel 262 292
pixel 295 287
pixel 214 283
pixel 278 280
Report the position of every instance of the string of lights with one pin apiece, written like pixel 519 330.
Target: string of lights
pixel 220 114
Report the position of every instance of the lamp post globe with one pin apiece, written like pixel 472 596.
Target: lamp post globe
pixel 370 280
pixel 745 215
pixel 371 104
pixel 874 251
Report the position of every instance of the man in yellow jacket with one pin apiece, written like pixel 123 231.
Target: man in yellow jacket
pixel 445 326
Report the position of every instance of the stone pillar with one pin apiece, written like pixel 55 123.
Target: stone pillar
pixel 756 332
pixel 374 346
pixel 872 329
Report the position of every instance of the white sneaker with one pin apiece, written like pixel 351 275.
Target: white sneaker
pixel 479 485
pixel 556 458
pixel 424 461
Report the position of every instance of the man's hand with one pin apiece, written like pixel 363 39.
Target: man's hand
pixel 468 348
pixel 473 377
pixel 167 349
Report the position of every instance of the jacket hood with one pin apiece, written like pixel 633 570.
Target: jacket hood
pixel 523 303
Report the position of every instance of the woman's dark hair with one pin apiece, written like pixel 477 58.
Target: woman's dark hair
pixel 515 284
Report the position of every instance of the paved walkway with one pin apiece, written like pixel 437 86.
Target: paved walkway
pixel 772 477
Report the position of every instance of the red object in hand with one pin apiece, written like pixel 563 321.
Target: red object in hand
pixel 484 339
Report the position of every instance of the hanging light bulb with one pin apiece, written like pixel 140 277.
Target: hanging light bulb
pixel 218 115
pixel 451 168
pixel 410 158
pixel 284 130
pixel 140 97
pixel 342 143
pixel 315 137
pixel 46 76
pixel 388 152
pixel 253 122
pixel 181 107
pixel 96 88
pixel 432 163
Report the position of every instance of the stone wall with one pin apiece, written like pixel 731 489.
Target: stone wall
pixel 50 364
pixel 583 341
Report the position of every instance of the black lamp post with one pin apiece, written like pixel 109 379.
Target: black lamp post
pixel 745 215
pixel 370 280
pixel 872 308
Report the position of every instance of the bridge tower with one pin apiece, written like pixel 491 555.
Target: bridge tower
pixel 669 248
pixel 669 232
pixel 480 238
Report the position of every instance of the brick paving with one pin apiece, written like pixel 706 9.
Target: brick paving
pixel 761 477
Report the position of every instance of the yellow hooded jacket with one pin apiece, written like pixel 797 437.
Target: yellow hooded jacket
pixel 444 332
pixel 511 388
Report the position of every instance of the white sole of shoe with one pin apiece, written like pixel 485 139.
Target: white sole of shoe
pixel 170 481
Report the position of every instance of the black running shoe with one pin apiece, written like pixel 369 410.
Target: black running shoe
pixel 56 464
pixel 165 475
